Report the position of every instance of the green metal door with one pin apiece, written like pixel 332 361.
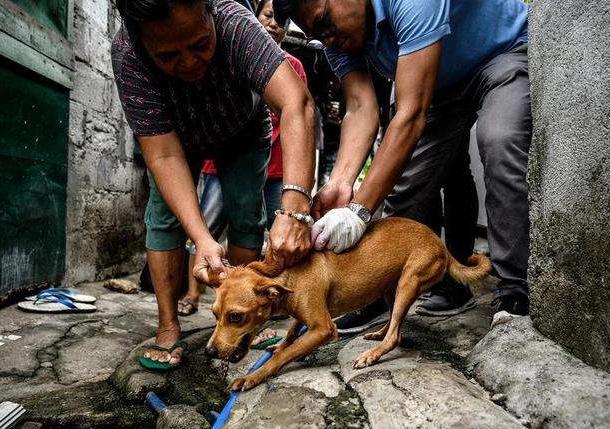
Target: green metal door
pixel 34 108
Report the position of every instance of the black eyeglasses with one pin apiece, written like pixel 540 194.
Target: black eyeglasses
pixel 322 27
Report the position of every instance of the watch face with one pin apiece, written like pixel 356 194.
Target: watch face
pixel 361 211
pixel 364 214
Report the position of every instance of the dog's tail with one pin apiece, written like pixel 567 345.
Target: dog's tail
pixel 473 274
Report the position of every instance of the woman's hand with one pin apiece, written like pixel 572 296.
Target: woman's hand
pixel 330 196
pixel 209 262
pixel 289 240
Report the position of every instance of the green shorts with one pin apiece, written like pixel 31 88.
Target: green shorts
pixel 242 181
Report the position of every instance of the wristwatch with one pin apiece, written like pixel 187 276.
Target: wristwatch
pixel 361 211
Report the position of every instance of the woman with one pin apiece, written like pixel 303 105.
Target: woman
pixel 192 76
pixel 211 200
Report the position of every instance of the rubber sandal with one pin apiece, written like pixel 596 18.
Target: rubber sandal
pixel 55 304
pixel 193 308
pixel 68 293
pixel 155 365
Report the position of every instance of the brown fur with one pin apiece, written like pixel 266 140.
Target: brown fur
pixel 397 259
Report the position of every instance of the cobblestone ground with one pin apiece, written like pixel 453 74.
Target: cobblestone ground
pixel 81 371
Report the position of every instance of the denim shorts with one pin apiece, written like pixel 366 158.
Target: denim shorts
pixel 242 175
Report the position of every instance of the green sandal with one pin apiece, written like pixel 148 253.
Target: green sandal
pixel 267 343
pixel 155 365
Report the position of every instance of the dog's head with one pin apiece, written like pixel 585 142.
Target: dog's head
pixel 244 301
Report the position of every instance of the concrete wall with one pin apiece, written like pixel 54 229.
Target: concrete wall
pixel 569 175
pixel 106 192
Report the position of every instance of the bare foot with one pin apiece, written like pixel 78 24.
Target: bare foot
pixel 263 335
pixel 166 338
pixel 188 305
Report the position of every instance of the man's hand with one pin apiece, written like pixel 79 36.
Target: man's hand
pixel 209 266
pixel 337 230
pixel 289 240
pixel 330 196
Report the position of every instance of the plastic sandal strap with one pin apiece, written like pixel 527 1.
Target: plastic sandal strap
pixel 179 344
pixel 54 293
pixel 160 349
pixel 53 298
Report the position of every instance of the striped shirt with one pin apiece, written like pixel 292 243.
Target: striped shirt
pixel 207 113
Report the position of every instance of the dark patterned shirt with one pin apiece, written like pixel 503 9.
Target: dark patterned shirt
pixel 207 113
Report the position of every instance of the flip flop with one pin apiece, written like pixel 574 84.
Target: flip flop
pixel 268 342
pixel 193 308
pixel 155 365
pixel 55 304
pixel 69 293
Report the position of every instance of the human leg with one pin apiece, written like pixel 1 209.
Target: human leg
pixel 165 250
pixel 503 135
pixel 460 210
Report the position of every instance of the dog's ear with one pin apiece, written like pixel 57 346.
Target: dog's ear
pixel 272 290
pixel 268 268
pixel 205 276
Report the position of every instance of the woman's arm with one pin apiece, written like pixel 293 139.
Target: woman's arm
pixel 288 96
pixel 166 161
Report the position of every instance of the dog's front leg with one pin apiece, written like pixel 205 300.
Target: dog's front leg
pixel 312 339
pixel 291 336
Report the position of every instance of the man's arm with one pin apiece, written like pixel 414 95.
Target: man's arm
pixel 341 228
pixel 415 84
pixel 288 96
pixel 166 161
pixel 359 126
pixel 358 131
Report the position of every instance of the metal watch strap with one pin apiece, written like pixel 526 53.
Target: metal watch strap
pixel 297 188
pixel 362 212
pixel 301 217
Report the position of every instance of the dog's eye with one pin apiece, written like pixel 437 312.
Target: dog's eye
pixel 235 317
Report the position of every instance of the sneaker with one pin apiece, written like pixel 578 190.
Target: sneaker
pixel 514 303
pixel 361 320
pixel 447 299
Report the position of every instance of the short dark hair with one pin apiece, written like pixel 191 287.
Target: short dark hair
pixel 283 10
pixel 134 12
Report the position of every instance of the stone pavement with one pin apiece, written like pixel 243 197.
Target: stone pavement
pixel 81 371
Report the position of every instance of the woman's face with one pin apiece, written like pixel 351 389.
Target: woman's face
pixel 266 18
pixel 183 44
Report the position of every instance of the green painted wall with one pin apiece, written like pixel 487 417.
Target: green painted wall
pixel 52 13
pixel 33 178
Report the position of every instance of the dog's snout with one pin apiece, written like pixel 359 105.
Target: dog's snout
pixel 211 351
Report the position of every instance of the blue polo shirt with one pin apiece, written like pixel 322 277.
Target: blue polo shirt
pixel 472 32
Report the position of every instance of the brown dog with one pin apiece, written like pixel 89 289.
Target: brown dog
pixel 398 259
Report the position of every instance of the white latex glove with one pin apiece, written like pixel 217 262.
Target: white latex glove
pixel 337 230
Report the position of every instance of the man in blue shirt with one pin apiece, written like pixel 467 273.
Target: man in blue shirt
pixel 453 62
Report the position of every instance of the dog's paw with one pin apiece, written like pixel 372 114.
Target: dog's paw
pixel 244 383
pixel 367 358
pixel 237 384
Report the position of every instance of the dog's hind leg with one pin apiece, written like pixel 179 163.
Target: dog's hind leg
pixel 410 285
pixel 378 335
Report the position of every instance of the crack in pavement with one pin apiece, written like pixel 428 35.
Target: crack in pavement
pixel 50 353
pixel 346 410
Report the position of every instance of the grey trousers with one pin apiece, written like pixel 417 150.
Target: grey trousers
pixel 498 98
